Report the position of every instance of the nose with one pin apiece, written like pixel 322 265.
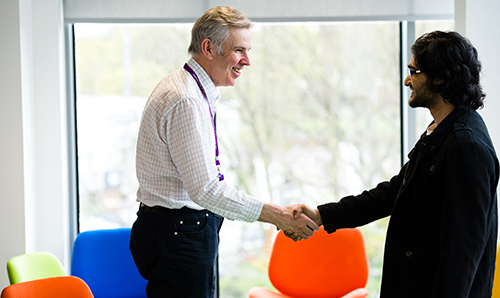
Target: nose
pixel 408 81
pixel 245 60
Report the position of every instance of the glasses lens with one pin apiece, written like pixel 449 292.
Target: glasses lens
pixel 413 72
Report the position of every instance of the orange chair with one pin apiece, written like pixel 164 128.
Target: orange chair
pixel 60 287
pixel 325 265
pixel 496 279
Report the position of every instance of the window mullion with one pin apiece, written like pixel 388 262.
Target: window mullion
pixel 408 115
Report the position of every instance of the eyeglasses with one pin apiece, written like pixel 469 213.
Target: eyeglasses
pixel 412 72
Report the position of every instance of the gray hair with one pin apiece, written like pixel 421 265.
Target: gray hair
pixel 215 24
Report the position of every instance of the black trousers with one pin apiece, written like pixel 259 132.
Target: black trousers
pixel 176 250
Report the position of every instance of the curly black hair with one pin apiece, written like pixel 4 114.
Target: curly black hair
pixel 454 60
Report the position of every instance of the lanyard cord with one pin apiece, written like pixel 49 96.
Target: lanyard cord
pixel 195 77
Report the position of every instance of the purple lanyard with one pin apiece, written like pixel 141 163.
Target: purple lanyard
pixel 195 77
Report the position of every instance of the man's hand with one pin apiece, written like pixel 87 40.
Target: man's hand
pixel 287 219
pixel 299 211
pixel 311 213
pixel 302 222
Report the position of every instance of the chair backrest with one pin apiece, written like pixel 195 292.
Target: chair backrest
pixel 103 260
pixel 324 265
pixel 60 287
pixel 32 266
pixel 496 279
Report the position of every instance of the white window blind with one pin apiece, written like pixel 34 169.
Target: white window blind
pixel 147 11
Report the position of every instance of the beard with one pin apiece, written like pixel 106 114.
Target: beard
pixel 423 97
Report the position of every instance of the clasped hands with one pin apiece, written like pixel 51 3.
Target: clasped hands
pixel 297 221
pixel 307 222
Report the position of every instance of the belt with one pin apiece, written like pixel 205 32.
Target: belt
pixel 160 209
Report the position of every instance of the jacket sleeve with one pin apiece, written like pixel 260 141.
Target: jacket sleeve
pixel 468 232
pixel 370 205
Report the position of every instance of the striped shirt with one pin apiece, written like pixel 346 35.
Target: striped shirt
pixel 175 158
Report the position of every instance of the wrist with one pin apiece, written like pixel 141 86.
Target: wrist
pixel 270 213
pixel 319 220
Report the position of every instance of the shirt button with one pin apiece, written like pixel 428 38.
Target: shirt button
pixel 404 182
pixel 198 223
pixel 175 233
pixel 181 222
pixel 408 254
pixel 206 214
pixel 432 168
pixel 423 144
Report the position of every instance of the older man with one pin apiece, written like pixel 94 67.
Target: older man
pixel 182 193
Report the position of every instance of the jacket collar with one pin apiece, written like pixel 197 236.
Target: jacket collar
pixel 430 144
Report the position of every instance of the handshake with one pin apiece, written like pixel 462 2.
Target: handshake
pixel 297 221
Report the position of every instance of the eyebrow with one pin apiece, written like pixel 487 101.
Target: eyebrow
pixel 412 67
pixel 241 48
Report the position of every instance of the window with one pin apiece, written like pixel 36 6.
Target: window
pixel 117 66
pixel 316 117
pixel 423 117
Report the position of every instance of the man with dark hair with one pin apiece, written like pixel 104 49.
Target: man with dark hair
pixel 442 235
pixel 182 193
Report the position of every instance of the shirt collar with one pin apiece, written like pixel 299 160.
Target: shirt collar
pixel 207 83
pixel 431 142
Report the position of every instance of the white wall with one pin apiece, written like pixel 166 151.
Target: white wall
pixel 33 146
pixel 478 20
pixel 12 233
pixel 33 163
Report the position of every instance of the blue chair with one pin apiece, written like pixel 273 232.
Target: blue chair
pixel 103 260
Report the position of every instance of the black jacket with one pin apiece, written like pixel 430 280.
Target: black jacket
pixel 442 234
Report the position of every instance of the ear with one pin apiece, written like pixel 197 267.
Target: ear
pixel 207 49
pixel 438 81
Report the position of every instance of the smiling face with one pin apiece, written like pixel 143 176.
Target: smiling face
pixel 421 95
pixel 226 68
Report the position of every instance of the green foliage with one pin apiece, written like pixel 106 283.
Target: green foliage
pixel 128 60
pixel 102 71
